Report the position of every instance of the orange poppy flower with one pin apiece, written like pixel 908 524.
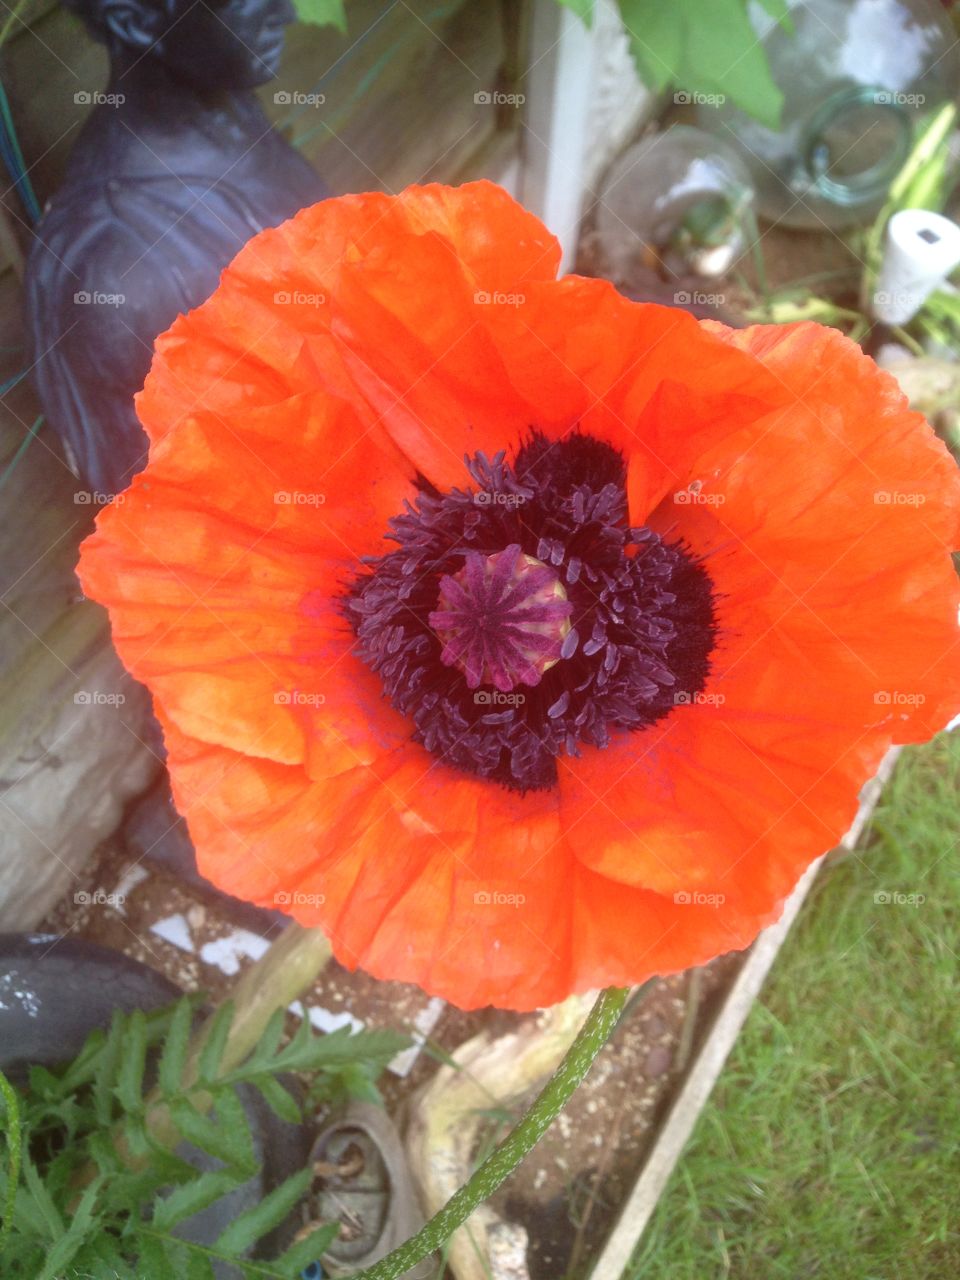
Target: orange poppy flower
pixel 523 638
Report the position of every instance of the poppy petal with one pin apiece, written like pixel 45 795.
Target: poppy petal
pixel 358 353
pixel 222 565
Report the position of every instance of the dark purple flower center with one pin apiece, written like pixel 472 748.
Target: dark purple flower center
pixel 522 618
pixel 502 619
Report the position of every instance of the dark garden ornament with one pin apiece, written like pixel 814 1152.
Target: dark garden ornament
pixel 174 170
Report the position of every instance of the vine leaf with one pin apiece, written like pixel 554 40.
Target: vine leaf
pixel 712 51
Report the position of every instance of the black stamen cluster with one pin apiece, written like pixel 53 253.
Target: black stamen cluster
pixel 642 626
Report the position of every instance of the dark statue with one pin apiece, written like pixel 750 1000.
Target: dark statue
pixel 174 170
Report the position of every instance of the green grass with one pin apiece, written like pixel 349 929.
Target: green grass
pixel 831 1147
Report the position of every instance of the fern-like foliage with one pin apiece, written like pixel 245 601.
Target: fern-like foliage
pixel 90 1184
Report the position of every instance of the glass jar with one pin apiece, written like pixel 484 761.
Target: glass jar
pixel 858 78
pixel 673 203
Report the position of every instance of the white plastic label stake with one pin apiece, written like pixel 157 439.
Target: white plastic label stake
pixel 920 251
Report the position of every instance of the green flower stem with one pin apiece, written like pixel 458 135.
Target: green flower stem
pixel 14 1139
pixel 553 1097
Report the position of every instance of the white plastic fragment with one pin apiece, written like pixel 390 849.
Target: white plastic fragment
pixel 175 930
pixel 326 1020
pixel 226 953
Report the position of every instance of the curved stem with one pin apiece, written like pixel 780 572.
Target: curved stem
pixel 592 1037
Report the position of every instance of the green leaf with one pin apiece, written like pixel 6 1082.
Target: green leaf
pixel 263 1217
pixel 41 1198
pixel 724 56
pixel 67 1247
pixel 85 1065
pixel 704 49
pixel 278 1099
pixel 322 13
pixel 582 8
pixel 183 1259
pixel 357 1082
pixel 45 1084
pixel 101 1256
pixel 103 1084
pixel 135 1133
pixel 308 1051
pixel 214 1041
pixel 14 1144
pixel 154 1258
pixel 232 1119
pixel 27 1217
pixel 310 1249
pixel 222 1142
pixel 656 40
pixel 174 1056
pixel 124 1197
pixel 104 1152
pixel 189 1199
pixel 133 1059
pixel 272 1035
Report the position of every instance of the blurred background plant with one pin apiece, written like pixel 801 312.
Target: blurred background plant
pixel 94 1181
pixel 684 45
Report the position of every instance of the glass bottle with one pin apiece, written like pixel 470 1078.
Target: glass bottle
pixel 673 203
pixel 858 78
